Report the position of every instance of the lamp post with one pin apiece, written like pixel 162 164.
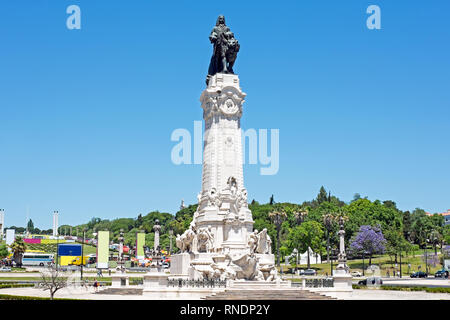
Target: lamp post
pixel 342 256
pixel 328 222
pixel 82 254
pixel 120 260
pixel 277 218
pixel 426 255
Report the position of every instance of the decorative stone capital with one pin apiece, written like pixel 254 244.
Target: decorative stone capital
pixel 223 97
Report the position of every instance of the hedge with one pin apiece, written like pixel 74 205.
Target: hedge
pixel 12 297
pixel 16 285
pixel 404 288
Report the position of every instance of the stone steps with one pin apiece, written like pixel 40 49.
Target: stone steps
pixel 121 291
pixel 283 294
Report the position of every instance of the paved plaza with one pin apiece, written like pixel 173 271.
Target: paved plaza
pixel 77 293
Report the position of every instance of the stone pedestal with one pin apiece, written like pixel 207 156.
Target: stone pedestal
pixel 120 280
pixel 180 263
pixel 342 280
pixel 154 280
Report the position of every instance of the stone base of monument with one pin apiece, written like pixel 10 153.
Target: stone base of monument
pixel 245 284
pixel 180 263
pixel 155 280
pixel 119 280
pixel 342 281
pixel 194 265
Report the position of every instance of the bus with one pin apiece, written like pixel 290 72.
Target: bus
pixel 37 259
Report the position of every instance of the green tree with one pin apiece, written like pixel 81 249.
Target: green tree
pixel 277 217
pixel 395 243
pixel 307 235
pixel 446 234
pixel 18 248
pixel 421 227
pixel 30 226
pixel 3 251
pixel 322 196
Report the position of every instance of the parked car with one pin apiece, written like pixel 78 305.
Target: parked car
pixel 419 274
pixel 5 269
pixel 441 274
pixel 310 272
pixel 356 274
pixel 371 281
pixel 165 265
pixel 73 268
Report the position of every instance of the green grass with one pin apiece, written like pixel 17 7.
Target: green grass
pixel 405 288
pixel 15 285
pixel 13 297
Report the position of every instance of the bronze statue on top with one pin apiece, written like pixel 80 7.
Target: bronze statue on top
pixel 225 51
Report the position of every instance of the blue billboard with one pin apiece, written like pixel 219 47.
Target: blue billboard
pixel 69 249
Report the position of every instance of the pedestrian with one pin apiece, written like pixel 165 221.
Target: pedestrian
pixel 387 273
pixel 109 271
pixel 95 285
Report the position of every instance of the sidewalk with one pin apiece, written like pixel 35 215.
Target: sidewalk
pixel 82 293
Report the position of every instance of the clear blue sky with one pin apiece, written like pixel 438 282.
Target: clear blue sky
pixel 86 115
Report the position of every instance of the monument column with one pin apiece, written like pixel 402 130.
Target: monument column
pixel 341 276
pixel 216 244
pixel 156 229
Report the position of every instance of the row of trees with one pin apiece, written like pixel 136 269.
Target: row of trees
pixel 309 224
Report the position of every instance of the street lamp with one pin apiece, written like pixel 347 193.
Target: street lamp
pixel 426 255
pixel 328 222
pixel 120 259
pixel 82 254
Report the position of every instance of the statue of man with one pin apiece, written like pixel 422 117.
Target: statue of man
pixel 225 49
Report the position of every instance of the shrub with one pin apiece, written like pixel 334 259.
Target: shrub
pixel 16 285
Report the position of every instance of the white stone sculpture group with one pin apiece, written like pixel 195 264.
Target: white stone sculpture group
pixel 260 242
pixel 244 266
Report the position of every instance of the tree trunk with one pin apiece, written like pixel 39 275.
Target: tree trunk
pixel 278 248
pixel 328 247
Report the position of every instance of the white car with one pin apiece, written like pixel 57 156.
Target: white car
pixel 356 274
pixel 5 269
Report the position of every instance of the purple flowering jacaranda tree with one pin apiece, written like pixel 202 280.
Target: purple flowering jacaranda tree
pixel 369 240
